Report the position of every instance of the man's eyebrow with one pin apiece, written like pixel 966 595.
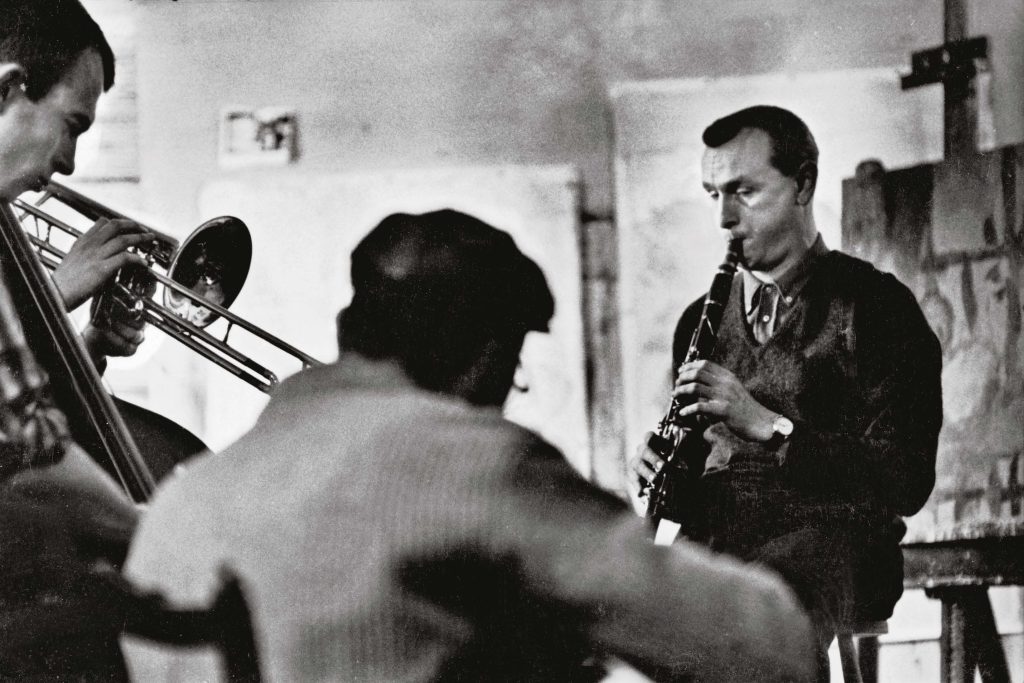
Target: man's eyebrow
pixel 728 185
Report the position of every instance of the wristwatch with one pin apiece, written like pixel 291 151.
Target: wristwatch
pixel 782 429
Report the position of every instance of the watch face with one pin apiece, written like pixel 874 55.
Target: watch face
pixel 783 426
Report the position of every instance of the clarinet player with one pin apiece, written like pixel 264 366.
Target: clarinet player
pixel 821 403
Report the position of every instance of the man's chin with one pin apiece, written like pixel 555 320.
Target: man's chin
pixel 11 191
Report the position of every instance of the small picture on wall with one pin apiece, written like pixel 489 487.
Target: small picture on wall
pixel 267 136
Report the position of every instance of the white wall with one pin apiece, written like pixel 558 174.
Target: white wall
pixel 399 83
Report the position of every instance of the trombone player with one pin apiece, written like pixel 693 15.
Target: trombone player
pixel 54 64
pixel 51 77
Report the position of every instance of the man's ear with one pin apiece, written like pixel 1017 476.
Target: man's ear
pixel 12 79
pixel 806 182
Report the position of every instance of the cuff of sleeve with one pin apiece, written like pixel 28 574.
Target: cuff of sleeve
pixel 782 452
pixel 792 452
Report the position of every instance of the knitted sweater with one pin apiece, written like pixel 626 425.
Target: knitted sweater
pixel 389 534
pixel 857 368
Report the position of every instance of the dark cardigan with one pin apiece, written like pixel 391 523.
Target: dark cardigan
pixel 857 368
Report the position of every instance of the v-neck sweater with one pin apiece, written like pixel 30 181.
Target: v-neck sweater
pixel 857 369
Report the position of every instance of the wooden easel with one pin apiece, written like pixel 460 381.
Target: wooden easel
pixel 959 572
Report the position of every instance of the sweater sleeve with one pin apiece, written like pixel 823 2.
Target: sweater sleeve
pixel 889 460
pixel 672 612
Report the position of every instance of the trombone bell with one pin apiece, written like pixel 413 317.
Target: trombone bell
pixel 212 262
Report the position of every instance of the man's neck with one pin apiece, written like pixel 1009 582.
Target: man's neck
pixel 796 254
pixel 795 269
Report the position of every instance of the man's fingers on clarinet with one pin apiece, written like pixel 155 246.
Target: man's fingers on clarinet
pixel 646 463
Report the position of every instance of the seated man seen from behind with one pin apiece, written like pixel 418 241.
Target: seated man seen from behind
pixel 389 524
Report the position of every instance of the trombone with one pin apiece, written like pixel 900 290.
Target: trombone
pixel 202 277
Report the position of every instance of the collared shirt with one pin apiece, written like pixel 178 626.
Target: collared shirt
pixel 767 302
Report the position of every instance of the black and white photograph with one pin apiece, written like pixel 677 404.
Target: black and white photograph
pixel 611 341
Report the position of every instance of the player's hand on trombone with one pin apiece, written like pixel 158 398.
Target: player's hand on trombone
pixel 110 337
pixel 95 256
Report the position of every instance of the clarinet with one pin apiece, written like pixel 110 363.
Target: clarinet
pixel 672 429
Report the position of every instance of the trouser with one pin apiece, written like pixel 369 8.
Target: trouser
pixel 819 575
pixel 840 568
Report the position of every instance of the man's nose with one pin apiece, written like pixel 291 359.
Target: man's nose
pixel 64 161
pixel 728 217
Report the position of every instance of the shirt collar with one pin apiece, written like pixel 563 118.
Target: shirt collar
pixel 790 282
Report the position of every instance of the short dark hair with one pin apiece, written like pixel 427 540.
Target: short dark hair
pixel 431 290
pixel 792 141
pixel 46 37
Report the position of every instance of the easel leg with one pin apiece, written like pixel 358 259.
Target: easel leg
pixel 957 664
pixel 969 637
pixel 985 640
